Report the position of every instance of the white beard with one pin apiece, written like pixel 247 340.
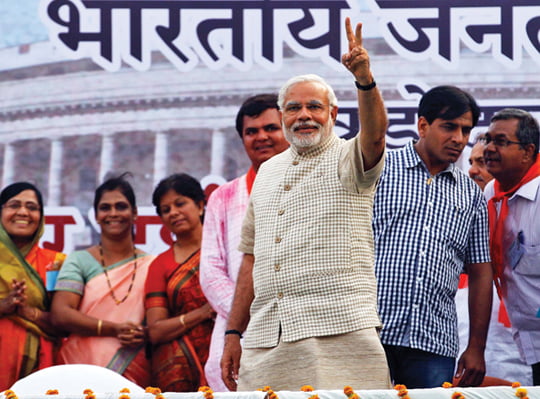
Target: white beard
pixel 307 141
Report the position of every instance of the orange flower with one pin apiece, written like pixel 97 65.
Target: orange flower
pixel 516 384
pixel 521 393
pixel 447 384
pixel 347 390
pixel 152 390
pixel 52 392
pixel 458 395
pixel 124 396
pixel 87 391
pixel 9 394
pixel 402 393
pixel 400 387
pixel 307 388
pixel 125 390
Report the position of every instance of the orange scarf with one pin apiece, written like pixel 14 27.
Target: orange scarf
pixel 496 224
pixel 250 179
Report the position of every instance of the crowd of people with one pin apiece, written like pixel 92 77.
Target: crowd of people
pixel 329 263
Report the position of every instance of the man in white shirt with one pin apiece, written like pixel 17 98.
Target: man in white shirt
pixel 511 156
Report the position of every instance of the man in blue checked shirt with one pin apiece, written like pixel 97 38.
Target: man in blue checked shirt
pixel 430 223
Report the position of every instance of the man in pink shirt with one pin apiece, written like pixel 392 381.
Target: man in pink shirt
pixel 259 125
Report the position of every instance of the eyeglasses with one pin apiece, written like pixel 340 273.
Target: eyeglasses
pixel 16 205
pixel 313 107
pixel 498 141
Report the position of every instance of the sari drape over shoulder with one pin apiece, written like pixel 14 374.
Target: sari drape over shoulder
pixel 178 365
pixel 24 346
pixel 84 275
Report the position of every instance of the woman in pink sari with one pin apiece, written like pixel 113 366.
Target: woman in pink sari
pixel 99 296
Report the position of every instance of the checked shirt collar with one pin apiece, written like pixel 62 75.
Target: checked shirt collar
pixel 412 160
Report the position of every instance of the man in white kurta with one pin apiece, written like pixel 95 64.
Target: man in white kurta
pixel 306 292
pixel 259 126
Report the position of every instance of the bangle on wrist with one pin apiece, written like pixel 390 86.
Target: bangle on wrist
pixel 233 332
pixel 365 87
pixel 99 325
pixel 35 314
pixel 182 319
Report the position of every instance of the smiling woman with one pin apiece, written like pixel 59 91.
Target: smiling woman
pixel 180 320
pixel 27 340
pixel 99 299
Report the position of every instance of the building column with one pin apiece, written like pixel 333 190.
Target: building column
pixel 106 161
pixel 9 164
pixel 160 157
pixel 55 172
pixel 217 161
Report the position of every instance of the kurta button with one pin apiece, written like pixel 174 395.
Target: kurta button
pixel 277 267
pixel 287 187
pixel 278 240
pixel 281 212
pixel 280 295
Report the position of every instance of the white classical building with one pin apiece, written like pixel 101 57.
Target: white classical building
pixel 65 124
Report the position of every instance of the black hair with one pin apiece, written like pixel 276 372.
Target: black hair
pixel 447 103
pixel 116 183
pixel 253 107
pixel 180 183
pixel 16 188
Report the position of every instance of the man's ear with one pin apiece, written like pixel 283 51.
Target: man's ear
pixel 422 126
pixel 529 152
pixel 334 113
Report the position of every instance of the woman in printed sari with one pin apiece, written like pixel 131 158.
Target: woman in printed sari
pixel 180 320
pixel 99 295
pixel 26 271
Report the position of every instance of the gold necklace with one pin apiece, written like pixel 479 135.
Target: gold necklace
pixel 109 281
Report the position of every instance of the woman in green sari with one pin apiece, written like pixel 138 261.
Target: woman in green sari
pixel 26 335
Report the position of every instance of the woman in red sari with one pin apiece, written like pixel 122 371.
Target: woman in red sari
pixel 180 320
pixel 26 273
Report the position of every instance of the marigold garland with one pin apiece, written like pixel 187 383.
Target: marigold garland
pixel 9 394
pixel 447 384
pixel 270 393
pixel 347 390
pixel 458 395
pixel 403 393
pixel 52 392
pixel 516 384
pixel 88 391
pixel 125 390
pixel 207 392
pixel 153 390
pixel 521 393
pixel 124 396
pixel 307 388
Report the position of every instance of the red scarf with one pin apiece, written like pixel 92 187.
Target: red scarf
pixel 250 179
pixel 496 225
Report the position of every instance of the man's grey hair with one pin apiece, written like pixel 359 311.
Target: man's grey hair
pixel 332 99
pixel 528 131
